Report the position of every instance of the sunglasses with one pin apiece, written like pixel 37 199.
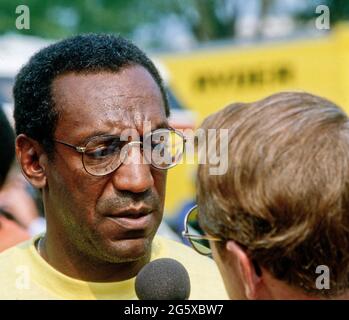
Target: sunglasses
pixel 198 239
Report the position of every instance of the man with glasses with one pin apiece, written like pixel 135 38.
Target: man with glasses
pixel 277 222
pixel 91 117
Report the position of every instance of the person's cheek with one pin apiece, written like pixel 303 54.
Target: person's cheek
pixel 160 177
pixel 87 189
pixel 160 190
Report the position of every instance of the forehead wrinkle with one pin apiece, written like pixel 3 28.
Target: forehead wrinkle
pixel 130 109
pixel 110 108
pixel 114 98
pixel 114 89
pixel 116 117
pixel 129 117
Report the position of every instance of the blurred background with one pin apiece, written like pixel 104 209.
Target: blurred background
pixel 210 53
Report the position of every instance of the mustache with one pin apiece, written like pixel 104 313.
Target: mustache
pixel 126 199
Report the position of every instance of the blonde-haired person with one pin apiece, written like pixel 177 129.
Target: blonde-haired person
pixel 278 219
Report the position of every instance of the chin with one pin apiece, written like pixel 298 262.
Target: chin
pixel 128 250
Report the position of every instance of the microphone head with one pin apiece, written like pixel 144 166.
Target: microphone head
pixel 163 279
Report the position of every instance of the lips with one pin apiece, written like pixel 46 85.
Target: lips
pixel 132 219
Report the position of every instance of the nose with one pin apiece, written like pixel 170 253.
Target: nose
pixel 133 175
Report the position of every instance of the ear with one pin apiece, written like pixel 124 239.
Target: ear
pixel 250 278
pixel 32 159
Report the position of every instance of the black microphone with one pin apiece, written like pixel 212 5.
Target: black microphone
pixel 163 279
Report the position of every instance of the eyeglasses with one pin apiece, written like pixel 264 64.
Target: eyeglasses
pixel 200 242
pixel 196 236
pixel 101 155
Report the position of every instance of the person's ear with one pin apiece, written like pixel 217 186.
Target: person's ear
pixel 32 159
pixel 250 273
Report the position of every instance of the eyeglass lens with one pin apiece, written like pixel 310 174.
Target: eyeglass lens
pixel 201 245
pixel 105 154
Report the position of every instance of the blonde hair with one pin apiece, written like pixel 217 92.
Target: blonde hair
pixel 285 196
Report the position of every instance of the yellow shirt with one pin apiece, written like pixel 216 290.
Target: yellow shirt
pixel 24 274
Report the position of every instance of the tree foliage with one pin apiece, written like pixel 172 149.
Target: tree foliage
pixel 205 19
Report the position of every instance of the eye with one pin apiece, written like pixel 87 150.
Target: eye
pixel 99 153
pixel 109 148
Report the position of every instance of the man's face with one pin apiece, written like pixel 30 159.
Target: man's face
pixel 110 218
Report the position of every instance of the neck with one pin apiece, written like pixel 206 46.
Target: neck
pixel 274 289
pixel 73 263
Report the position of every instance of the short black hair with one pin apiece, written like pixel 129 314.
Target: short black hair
pixel 35 113
pixel 7 146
